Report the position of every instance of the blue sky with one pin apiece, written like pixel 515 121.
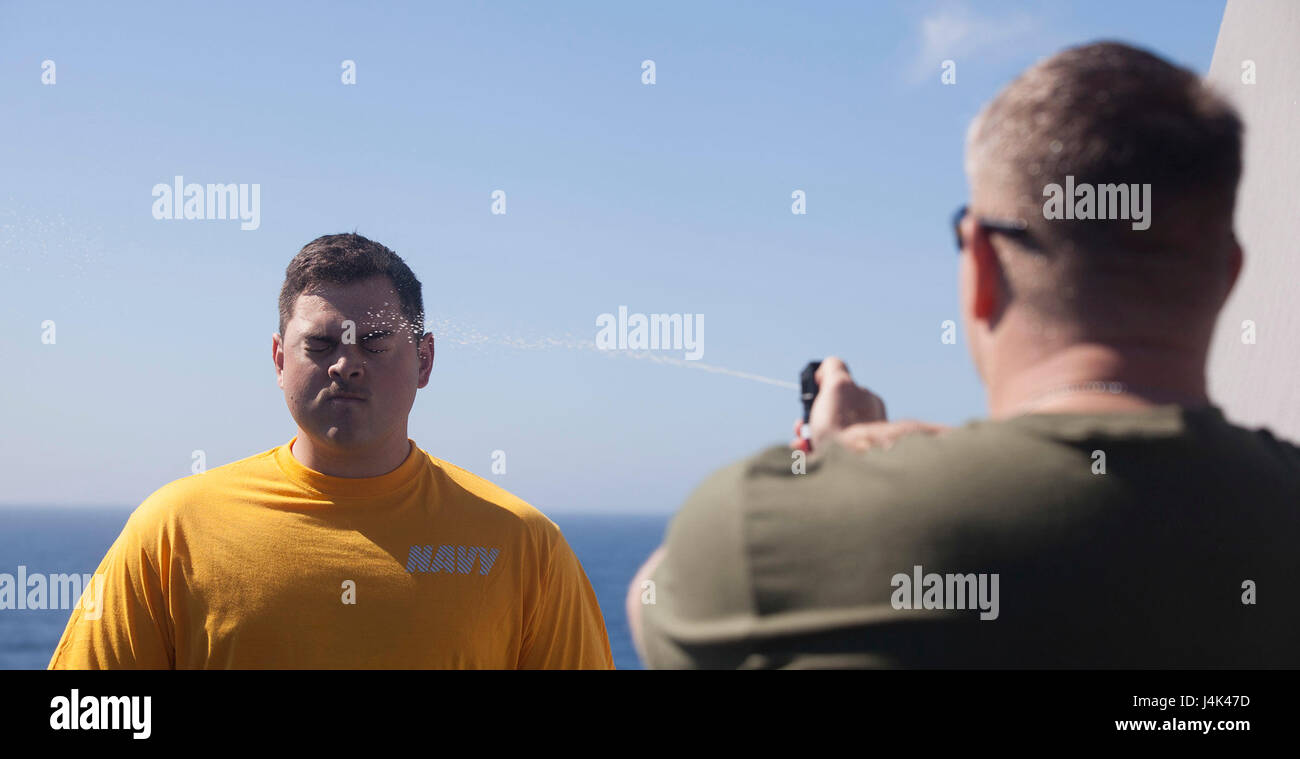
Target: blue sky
pixel 666 198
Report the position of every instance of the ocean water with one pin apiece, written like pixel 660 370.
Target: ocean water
pixel 72 539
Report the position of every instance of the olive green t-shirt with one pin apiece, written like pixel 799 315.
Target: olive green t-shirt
pixel 1162 538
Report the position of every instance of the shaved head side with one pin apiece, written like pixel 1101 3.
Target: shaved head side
pixel 1107 114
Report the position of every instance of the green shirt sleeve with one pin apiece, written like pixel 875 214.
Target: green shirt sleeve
pixel 702 607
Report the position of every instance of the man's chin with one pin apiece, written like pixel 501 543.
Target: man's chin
pixel 340 436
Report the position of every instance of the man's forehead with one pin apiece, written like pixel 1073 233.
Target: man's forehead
pixel 327 311
pixel 315 308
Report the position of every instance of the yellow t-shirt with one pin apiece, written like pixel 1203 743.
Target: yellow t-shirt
pixel 264 563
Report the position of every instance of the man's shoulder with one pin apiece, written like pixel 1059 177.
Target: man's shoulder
pixel 191 491
pixel 492 501
pixel 1014 463
pixel 1262 442
pixel 167 508
pixel 978 444
pixel 182 493
pixel 922 479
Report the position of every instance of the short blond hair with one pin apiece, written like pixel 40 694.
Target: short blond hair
pixel 1107 113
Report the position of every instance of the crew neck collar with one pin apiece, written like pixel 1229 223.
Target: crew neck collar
pixel 330 486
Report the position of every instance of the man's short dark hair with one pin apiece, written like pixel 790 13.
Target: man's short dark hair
pixel 1109 113
pixel 345 259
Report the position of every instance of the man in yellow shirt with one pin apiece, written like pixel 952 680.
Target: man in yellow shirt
pixel 349 546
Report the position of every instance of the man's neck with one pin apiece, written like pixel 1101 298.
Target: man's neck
pixel 338 462
pixel 1086 378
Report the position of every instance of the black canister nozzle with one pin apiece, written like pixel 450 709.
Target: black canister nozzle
pixel 808 387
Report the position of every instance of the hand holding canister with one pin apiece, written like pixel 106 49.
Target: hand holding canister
pixel 836 408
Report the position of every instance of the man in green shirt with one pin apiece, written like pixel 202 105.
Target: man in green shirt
pixel 1105 514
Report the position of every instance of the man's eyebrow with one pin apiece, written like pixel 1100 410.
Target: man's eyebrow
pixel 373 334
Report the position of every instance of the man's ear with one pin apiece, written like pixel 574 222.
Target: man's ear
pixel 1234 266
pixel 424 350
pixel 277 358
pixel 987 288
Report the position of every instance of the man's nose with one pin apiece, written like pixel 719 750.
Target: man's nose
pixel 349 364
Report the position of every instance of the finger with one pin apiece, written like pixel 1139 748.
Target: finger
pixel 881 413
pixel 856 439
pixel 798 427
pixel 884 435
pixel 916 425
pixel 830 366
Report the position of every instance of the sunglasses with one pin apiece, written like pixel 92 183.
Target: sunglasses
pixel 1012 227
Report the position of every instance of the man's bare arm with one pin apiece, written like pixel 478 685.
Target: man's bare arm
pixel 634 604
